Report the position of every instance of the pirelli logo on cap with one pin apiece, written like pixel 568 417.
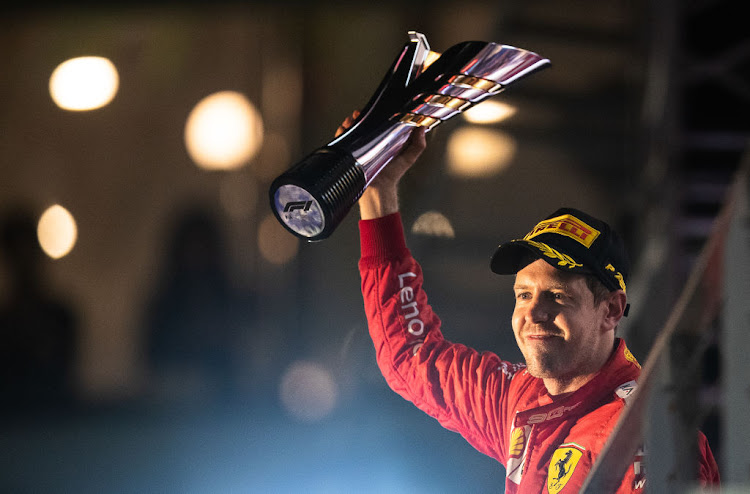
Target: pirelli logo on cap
pixel 567 225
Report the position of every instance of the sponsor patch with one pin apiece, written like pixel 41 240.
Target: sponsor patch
pixel 563 260
pixel 519 442
pixel 509 370
pixel 553 414
pixel 561 467
pixel 569 226
pixel 625 390
pixel 639 470
pixel 630 357
pixel 618 276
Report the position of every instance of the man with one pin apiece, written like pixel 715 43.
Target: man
pixel 545 421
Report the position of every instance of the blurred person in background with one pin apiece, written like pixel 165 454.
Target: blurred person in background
pixel 38 329
pixel 193 319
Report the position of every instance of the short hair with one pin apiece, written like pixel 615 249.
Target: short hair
pixel 597 288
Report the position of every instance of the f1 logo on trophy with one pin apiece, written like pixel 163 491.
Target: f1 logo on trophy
pixel 312 197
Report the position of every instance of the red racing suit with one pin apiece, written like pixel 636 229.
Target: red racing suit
pixel 547 445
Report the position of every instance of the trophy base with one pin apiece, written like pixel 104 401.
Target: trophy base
pixel 312 198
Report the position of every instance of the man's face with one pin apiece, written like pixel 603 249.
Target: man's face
pixel 560 332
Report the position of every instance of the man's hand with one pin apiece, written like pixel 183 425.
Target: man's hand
pixel 380 198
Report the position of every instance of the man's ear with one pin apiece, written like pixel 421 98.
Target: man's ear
pixel 615 309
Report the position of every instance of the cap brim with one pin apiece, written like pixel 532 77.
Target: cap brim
pixel 508 257
pixel 511 257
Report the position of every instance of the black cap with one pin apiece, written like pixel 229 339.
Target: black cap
pixel 572 241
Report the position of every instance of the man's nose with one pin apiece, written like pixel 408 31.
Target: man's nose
pixel 538 310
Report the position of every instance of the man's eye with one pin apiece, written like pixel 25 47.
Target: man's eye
pixel 523 295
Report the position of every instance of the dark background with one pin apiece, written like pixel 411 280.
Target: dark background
pixel 641 120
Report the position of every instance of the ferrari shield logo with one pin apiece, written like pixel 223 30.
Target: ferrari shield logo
pixel 561 468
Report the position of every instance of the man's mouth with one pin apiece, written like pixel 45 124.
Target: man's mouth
pixel 542 336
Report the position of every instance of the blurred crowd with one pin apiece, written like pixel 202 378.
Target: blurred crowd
pixel 192 322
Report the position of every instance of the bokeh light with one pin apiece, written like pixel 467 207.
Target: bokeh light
pixel 475 152
pixel 275 244
pixel 308 391
pixel 57 231
pixel 84 83
pixel 224 131
pixel 433 223
pixel 489 112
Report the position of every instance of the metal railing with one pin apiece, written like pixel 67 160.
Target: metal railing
pixel 665 411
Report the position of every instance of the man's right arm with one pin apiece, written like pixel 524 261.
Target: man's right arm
pixel 449 382
pixel 463 389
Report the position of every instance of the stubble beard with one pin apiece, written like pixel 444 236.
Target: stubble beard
pixel 546 364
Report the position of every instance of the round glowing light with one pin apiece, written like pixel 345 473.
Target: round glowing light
pixel 476 152
pixel 224 131
pixel 308 391
pixel 84 83
pixel 57 231
pixel 489 112
pixel 434 224
pixel 276 245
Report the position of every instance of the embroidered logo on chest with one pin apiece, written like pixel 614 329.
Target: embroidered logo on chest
pixel 561 467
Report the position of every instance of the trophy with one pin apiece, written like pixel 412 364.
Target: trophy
pixel 314 195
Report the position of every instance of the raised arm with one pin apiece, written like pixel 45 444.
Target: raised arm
pixel 445 380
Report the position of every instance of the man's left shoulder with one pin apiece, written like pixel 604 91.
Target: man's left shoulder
pixel 626 390
pixel 600 420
